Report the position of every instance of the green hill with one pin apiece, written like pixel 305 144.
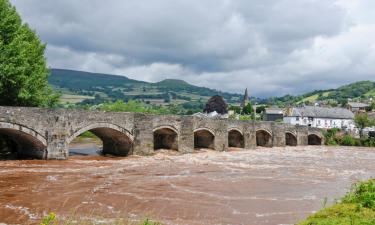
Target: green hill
pixel 358 91
pixel 93 88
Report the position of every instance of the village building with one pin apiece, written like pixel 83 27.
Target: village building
pixel 357 106
pixel 273 114
pixel 321 117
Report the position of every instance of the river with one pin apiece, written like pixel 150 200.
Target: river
pixel 267 186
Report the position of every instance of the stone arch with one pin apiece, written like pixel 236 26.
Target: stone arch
pixel 314 139
pixel 290 139
pixel 263 138
pixel 23 141
pixel 236 138
pixel 116 140
pixel 165 137
pixel 204 138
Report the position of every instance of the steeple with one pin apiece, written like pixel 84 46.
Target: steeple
pixel 245 99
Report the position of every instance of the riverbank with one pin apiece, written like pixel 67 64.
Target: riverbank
pixel 264 186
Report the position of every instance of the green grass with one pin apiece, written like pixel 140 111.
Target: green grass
pixel 69 98
pixel 52 219
pixel 370 93
pixel 313 98
pixel 356 208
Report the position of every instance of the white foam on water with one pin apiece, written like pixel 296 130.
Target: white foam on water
pixel 23 210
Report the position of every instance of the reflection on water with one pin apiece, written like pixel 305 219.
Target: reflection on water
pixel 263 186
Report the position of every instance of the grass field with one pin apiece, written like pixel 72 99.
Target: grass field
pixel 68 98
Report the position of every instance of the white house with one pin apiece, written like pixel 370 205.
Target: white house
pixel 321 117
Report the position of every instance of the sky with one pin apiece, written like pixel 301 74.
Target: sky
pixel 271 47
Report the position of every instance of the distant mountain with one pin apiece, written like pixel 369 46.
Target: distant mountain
pixel 93 88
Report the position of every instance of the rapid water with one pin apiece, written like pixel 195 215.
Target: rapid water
pixel 262 186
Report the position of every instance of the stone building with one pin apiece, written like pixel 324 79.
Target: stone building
pixel 273 114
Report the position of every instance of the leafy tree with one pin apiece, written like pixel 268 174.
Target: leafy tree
pixel 362 121
pixel 248 109
pixel 23 69
pixel 372 106
pixel 236 109
pixel 216 103
pixel 260 109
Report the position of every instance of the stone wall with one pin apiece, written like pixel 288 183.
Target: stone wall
pixel 47 133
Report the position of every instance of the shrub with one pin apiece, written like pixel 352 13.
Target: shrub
pixel 362 193
pixel 348 140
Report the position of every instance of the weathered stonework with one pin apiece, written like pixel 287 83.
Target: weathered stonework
pixel 47 133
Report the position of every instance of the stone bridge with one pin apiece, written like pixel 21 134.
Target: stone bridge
pixel 47 133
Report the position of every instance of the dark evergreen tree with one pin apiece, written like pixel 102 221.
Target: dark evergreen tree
pixel 23 70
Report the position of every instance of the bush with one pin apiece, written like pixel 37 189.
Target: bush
pixel 348 140
pixel 363 194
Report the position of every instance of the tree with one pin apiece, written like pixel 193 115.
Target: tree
pixel 248 109
pixel 216 103
pixel 260 109
pixel 362 121
pixel 23 69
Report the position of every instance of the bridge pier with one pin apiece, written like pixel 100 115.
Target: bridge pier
pixel 186 137
pixel 143 143
pixel 57 147
pixel 302 135
pixel 278 135
pixel 250 136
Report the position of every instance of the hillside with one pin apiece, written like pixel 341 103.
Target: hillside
pixel 358 91
pixel 93 88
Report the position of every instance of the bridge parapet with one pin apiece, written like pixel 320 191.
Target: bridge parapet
pixel 47 133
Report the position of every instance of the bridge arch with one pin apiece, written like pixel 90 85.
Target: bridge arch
pixel 204 138
pixel 290 138
pixel 315 139
pixel 236 138
pixel 22 141
pixel 165 137
pixel 116 140
pixel 263 138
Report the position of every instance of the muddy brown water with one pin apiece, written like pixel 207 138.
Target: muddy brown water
pixel 262 186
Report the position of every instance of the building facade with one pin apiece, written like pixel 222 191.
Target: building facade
pixel 273 114
pixel 321 117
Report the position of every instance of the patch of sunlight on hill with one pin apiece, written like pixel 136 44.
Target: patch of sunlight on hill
pixel 66 98
pixel 313 98
pixel 370 93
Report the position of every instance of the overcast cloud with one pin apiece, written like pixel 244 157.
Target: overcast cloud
pixel 273 47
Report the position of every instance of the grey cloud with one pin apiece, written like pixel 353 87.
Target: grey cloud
pixel 268 46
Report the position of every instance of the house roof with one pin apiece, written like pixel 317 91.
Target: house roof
pixel 274 111
pixel 322 112
pixel 371 115
pixel 357 104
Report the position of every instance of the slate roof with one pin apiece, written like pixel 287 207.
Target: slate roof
pixel 357 105
pixel 274 111
pixel 322 112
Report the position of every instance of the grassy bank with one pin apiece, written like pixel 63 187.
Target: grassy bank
pixel 51 219
pixel 356 208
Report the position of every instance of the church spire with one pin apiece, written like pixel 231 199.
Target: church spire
pixel 245 99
